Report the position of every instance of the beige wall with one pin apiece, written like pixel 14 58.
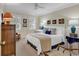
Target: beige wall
pixel 25 30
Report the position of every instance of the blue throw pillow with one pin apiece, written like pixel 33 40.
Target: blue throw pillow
pixel 48 32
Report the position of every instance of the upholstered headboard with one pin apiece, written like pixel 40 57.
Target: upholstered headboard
pixel 55 31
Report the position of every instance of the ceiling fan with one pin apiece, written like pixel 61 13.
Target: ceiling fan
pixel 37 6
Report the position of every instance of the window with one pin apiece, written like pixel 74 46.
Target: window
pixel 74 22
pixel 43 22
pixel 32 23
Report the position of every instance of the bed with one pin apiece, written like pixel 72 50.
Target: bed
pixel 35 42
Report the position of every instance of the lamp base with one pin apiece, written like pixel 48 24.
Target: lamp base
pixel 73 35
pixel 7 22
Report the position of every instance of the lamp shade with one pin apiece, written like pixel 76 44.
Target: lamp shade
pixel 7 15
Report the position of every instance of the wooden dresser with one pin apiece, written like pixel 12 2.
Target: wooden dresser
pixel 8 36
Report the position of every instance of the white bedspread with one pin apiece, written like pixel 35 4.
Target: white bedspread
pixel 55 39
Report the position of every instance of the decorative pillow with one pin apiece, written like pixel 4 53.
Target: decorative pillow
pixel 48 32
pixel 51 31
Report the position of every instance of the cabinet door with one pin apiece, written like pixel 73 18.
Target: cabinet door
pixel 8 39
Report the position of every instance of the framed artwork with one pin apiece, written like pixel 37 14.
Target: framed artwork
pixel 54 21
pixel 49 22
pixel 61 21
pixel 24 22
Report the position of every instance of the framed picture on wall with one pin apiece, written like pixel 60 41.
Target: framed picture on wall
pixel 61 21
pixel 54 21
pixel 24 22
pixel 48 21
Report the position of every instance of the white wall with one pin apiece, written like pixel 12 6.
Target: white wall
pixel 30 22
pixel 31 25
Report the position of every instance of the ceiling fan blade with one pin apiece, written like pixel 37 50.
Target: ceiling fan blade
pixel 37 6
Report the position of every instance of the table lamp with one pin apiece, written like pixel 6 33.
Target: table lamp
pixel 7 16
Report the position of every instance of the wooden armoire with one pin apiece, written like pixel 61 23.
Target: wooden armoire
pixel 8 39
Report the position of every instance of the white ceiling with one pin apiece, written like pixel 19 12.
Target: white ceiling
pixel 29 8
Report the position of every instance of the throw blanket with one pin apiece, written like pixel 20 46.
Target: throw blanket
pixel 45 41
